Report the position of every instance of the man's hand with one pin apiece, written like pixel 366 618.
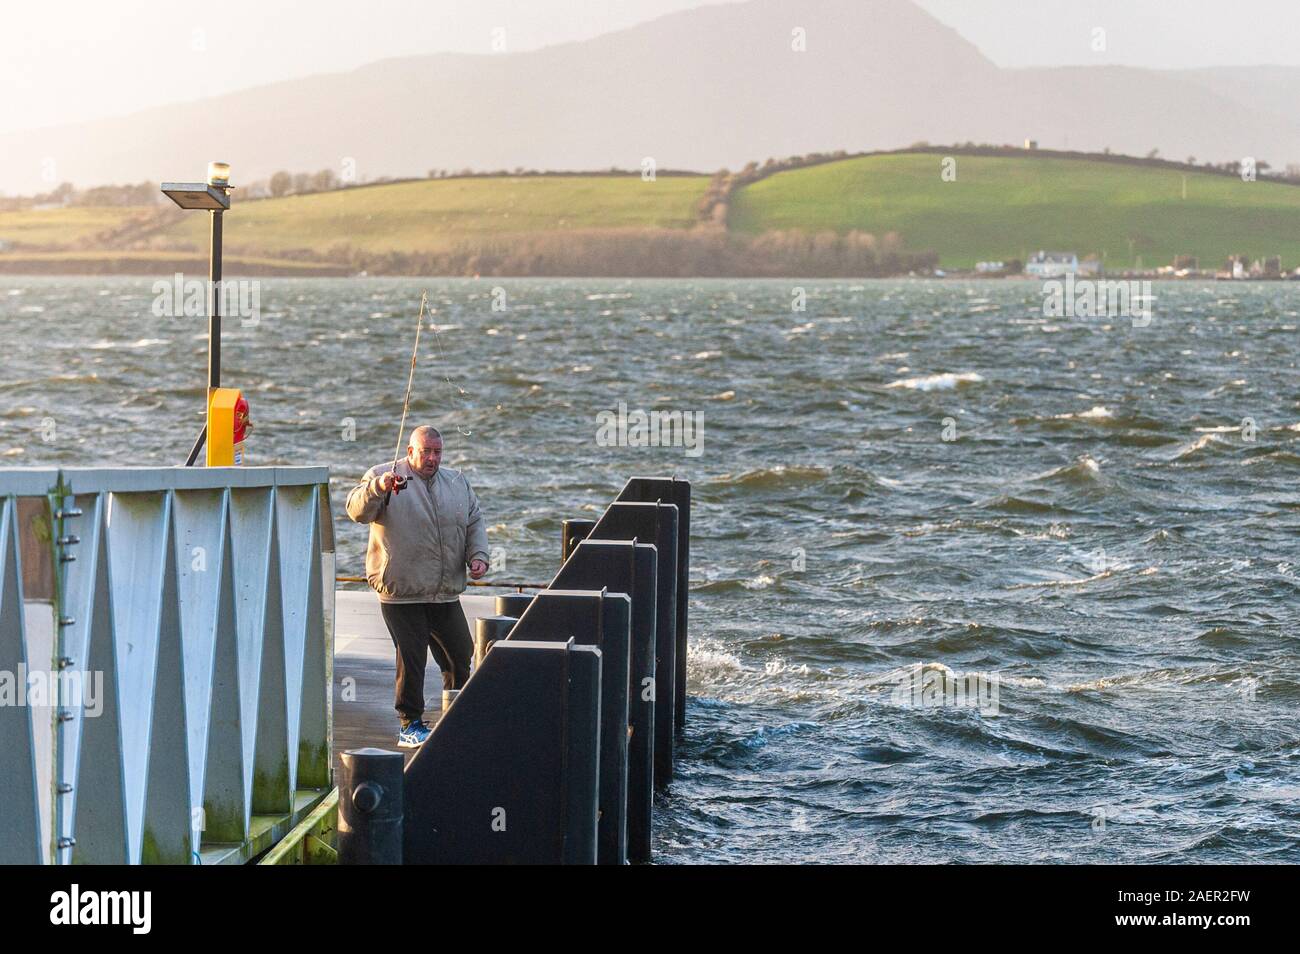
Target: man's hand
pixel 476 569
pixel 391 482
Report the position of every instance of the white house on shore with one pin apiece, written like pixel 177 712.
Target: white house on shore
pixel 1052 264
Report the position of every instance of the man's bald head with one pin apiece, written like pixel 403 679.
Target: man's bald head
pixel 424 453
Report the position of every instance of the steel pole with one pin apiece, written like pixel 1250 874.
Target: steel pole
pixel 214 309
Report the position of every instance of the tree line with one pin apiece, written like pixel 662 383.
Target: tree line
pixel 66 194
pixel 711 209
pixel 640 253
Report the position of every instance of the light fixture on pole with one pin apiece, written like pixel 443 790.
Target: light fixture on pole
pixel 214 197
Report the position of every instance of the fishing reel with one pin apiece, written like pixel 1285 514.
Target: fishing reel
pixel 398 483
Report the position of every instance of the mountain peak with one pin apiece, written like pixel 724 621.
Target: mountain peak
pixel 702 88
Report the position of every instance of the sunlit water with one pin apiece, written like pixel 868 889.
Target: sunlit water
pixel 1099 535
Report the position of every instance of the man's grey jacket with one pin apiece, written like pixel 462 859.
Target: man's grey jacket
pixel 422 539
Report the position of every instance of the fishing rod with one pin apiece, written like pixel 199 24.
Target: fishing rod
pixel 399 481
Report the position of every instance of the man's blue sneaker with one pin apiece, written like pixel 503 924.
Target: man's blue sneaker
pixel 413 736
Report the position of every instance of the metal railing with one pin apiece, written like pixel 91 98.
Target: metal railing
pixel 179 626
pixel 498 584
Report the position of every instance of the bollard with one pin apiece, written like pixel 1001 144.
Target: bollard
pixel 574 532
pixel 370 808
pixel 487 630
pixel 513 604
pixel 448 697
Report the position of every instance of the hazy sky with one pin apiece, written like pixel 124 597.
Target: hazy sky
pixel 69 61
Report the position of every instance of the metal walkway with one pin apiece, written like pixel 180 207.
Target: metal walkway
pixel 365 670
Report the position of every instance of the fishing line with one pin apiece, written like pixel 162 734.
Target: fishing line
pixel 452 388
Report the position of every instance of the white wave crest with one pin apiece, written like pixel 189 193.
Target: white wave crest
pixel 937 382
pixel 1095 413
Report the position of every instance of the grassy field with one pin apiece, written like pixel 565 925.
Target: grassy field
pixel 998 207
pixel 1008 207
pixel 432 214
pixel 60 228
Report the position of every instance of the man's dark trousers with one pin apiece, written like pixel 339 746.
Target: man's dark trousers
pixel 415 628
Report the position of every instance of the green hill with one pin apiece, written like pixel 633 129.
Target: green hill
pixel 1005 207
pixel 431 214
pixel 997 207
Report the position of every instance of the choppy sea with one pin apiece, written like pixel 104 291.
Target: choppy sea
pixel 969 583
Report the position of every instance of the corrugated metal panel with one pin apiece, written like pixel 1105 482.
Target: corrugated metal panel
pixel 195 628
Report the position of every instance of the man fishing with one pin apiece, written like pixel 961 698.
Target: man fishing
pixel 425 528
